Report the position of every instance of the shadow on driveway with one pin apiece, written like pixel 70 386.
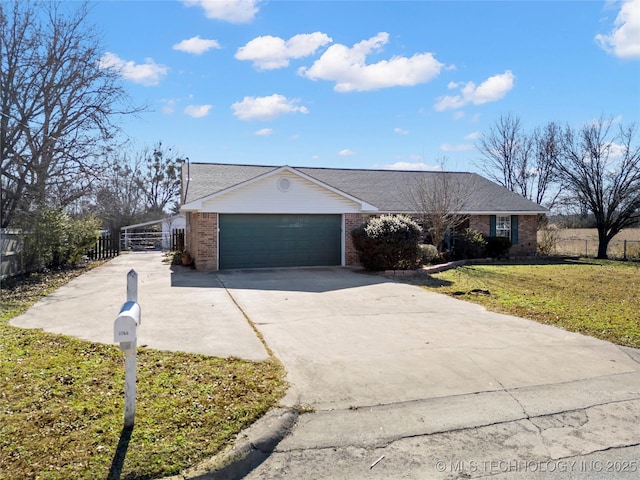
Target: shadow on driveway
pixel 302 279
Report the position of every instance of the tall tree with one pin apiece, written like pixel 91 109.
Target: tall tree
pixel 57 105
pixel 159 178
pixel 600 169
pixel 118 199
pixel 518 160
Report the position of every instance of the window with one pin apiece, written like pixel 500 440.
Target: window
pixel 503 226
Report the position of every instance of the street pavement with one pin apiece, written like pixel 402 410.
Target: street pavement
pixel 388 381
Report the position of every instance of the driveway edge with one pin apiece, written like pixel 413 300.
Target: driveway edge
pixel 250 449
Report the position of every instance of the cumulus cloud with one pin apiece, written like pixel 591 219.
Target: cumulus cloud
pixel 492 89
pixel 347 67
pixel 401 131
pixel 197 111
pixel 264 132
pixel 410 166
pixel 268 53
pixel 266 108
pixel 346 152
pixel 624 39
pixel 196 45
pixel 445 147
pixel 148 73
pixel 232 11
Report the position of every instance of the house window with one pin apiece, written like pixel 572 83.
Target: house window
pixel 503 226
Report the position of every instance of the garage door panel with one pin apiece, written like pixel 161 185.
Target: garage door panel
pixel 261 241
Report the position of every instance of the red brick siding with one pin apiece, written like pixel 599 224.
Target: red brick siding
pixel 202 239
pixel 527 232
pixel 351 221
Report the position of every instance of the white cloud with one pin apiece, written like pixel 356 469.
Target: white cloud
pixel 264 132
pixel 197 111
pixel 458 115
pixel 266 108
pixel 624 39
pixel 346 152
pixel 196 45
pixel 401 131
pixel 232 11
pixel 268 53
pixel 348 68
pixel 410 166
pixel 168 105
pixel 472 136
pixel 492 89
pixel 445 147
pixel 148 74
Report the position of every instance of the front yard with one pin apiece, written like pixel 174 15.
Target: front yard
pixel 593 297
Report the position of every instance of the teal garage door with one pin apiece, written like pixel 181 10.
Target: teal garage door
pixel 262 241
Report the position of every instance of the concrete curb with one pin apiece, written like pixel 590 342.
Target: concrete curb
pixel 251 448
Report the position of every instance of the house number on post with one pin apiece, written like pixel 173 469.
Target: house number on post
pixel 125 333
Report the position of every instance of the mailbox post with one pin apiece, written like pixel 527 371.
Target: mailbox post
pixel 125 333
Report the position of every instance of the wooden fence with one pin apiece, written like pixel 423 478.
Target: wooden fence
pixel 106 247
pixel 177 240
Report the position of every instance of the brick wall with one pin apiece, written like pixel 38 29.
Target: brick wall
pixel 527 235
pixel 527 232
pixel 351 221
pixel 202 239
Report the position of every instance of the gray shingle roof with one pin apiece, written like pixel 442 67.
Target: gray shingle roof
pixel 385 189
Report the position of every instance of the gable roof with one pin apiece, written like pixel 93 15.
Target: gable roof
pixel 384 189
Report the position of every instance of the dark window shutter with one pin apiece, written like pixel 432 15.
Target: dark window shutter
pixel 492 225
pixel 514 229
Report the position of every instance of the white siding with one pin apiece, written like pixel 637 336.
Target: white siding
pixel 264 196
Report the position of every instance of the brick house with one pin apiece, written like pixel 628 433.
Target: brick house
pixel 248 216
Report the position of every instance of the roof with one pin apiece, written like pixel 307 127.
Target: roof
pixel 385 189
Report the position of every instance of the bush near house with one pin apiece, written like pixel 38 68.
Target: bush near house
pixel 388 242
pixel 497 247
pixel 469 244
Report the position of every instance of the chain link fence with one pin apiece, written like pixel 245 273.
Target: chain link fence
pixel 618 249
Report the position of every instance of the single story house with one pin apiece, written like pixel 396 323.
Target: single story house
pixel 250 216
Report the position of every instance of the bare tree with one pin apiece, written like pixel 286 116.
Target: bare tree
pixel 520 161
pixel 440 199
pixel 159 177
pixel 118 199
pixel 600 168
pixel 56 108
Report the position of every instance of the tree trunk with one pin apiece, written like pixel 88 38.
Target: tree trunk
pixel 603 244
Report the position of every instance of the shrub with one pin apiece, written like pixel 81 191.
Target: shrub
pixel 429 253
pixel 548 240
pixel 388 242
pixel 55 239
pixel 469 244
pixel 497 247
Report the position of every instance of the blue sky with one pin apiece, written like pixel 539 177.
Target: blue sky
pixel 365 84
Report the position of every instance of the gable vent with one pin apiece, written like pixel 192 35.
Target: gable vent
pixel 284 184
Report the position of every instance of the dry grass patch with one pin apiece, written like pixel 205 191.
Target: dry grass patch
pixel 596 298
pixel 62 402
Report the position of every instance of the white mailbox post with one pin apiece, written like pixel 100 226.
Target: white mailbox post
pixel 125 333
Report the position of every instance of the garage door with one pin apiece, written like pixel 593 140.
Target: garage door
pixel 260 241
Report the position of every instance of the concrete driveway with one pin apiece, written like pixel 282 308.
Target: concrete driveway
pixel 182 309
pixel 436 387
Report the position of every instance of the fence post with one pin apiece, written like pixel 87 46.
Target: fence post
pixel 586 248
pixel 624 254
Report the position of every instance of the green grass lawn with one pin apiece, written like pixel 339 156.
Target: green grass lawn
pixel 593 297
pixel 62 401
